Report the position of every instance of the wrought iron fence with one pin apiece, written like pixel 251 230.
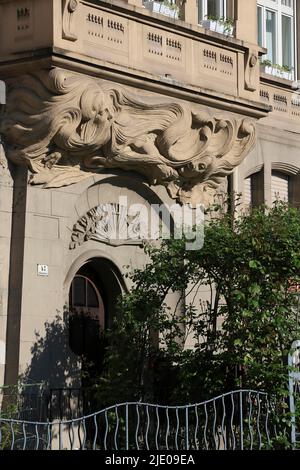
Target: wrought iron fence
pixel 242 420
pixel 294 391
pixel 36 402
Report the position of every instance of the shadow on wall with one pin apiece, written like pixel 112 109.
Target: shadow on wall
pixel 56 383
pixel 53 362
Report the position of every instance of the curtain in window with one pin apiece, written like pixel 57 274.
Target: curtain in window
pixel 271 35
pixel 208 8
pixel 215 8
pixel 287 53
pixel 260 25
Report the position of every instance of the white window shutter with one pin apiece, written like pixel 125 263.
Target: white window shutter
pixel 280 187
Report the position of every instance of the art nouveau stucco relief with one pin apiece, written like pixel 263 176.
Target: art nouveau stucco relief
pixel 66 126
pixel 108 223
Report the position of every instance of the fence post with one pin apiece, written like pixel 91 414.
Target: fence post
pixel 126 427
pixel 241 421
pixel 187 444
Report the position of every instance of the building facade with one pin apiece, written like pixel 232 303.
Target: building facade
pixel 126 103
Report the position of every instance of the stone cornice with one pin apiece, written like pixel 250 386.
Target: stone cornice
pixel 147 81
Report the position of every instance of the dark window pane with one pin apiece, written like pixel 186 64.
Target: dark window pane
pixel 92 299
pixel 79 292
pixel 271 35
pixel 260 25
pixel 76 334
pixel 287 41
pixel 215 8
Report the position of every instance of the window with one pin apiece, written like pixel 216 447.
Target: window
pixel 248 191
pixel 84 294
pixel 253 191
pixel 276 31
pixel 280 187
pixel 211 8
pixel 87 317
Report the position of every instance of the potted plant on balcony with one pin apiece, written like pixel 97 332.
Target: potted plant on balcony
pixel 287 72
pixel 167 8
pixel 280 71
pixel 219 24
pixel 267 67
pixel 228 26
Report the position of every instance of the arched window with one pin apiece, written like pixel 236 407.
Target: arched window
pixel 86 298
pixel 87 317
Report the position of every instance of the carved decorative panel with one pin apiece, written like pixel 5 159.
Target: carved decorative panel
pixel 265 96
pixel 216 65
pixel 285 103
pixel 296 106
pixel 107 31
pixel 24 20
pixel 108 223
pixel 164 47
pixel 280 102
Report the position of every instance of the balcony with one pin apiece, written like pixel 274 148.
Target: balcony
pixel 124 41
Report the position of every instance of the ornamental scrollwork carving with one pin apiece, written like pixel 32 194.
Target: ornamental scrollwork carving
pixel 69 20
pixel 251 70
pixel 66 126
pixel 108 223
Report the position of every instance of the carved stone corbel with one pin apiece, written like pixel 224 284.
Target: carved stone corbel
pixel 251 73
pixel 67 126
pixel 70 9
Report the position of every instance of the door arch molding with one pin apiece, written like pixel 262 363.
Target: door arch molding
pixel 89 256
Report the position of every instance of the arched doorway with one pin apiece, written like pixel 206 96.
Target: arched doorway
pixel 93 297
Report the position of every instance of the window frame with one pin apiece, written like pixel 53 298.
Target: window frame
pixel 204 8
pixel 284 177
pixel 280 10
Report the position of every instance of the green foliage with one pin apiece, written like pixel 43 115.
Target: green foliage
pixel 170 5
pixel 241 335
pixel 228 23
pixel 281 68
pixel 8 410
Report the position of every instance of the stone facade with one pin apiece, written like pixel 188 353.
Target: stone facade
pixel 107 99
